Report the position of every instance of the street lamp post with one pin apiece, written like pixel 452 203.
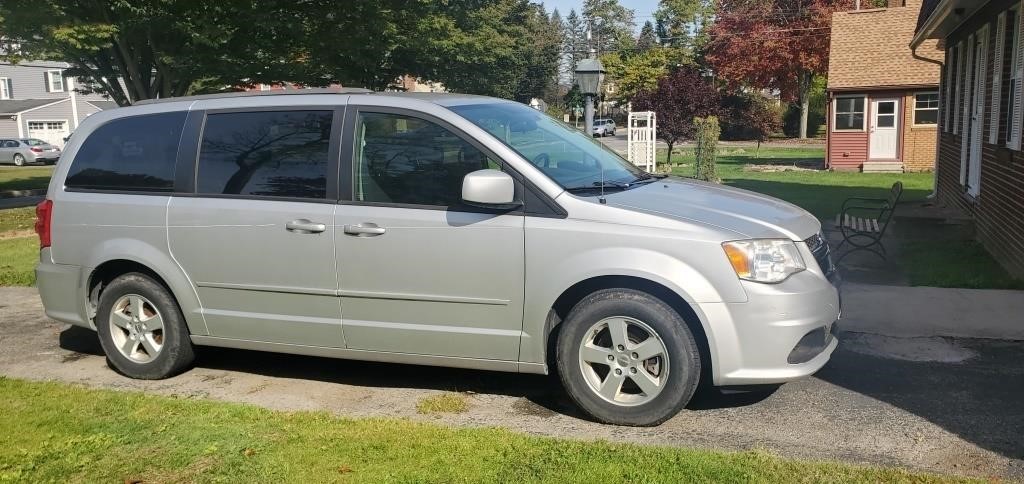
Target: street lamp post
pixel 589 76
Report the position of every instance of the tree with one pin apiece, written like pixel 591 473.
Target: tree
pixel 633 72
pixel 611 25
pixel 706 148
pixel 574 42
pixel 679 98
pixel 648 39
pixel 160 48
pixel 753 116
pixel 682 27
pixel 774 44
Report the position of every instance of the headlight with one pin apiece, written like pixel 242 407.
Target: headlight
pixel 764 260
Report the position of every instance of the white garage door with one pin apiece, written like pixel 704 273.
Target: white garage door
pixel 52 132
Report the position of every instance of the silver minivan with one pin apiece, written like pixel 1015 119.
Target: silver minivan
pixel 430 229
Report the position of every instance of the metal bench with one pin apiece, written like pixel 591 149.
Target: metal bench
pixel 863 222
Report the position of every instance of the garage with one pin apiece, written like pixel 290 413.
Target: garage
pixel 52 132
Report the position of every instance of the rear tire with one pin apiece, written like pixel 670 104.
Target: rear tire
pixel 19 159
pixel 142 330
pixel 643 382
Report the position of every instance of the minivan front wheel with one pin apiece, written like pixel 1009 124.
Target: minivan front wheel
pixel 141 329
pixel 627 358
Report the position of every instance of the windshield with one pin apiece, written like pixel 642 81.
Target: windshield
pixel 568 156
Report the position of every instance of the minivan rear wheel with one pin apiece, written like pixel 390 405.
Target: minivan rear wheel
pixel 141 328
pixel 627 358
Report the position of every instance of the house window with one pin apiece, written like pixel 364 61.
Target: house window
pixel 5 88
pixel 55 80
pixel 926 109
pixel 849 114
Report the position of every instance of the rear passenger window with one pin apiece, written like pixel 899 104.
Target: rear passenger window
pixel 135 153
pixel 269 153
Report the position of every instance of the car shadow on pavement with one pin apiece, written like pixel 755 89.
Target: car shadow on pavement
pixel 980 399
pixel 543 391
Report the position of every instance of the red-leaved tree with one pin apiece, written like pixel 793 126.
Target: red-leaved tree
pixel 773 44
pixel 680 96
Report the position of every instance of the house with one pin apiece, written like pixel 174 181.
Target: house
pixel 980 162
pixel 38 101
pixel 883 98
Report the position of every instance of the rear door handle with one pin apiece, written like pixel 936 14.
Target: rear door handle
pixel 366 229
pixel 304 226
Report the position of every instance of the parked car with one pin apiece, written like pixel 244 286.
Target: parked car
pixel 433 229
pixel 28 150
pixel 604 127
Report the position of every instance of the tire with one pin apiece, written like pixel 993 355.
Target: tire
pixel 152 354
pixel 588 327
pixel 19 159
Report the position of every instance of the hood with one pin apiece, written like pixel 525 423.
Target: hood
pixel 749 214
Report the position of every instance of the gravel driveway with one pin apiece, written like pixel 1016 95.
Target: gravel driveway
pixel 938 404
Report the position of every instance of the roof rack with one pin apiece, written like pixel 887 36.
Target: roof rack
pixel 220 95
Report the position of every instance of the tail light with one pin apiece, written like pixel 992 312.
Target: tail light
pixel 36 149
pixel 44 212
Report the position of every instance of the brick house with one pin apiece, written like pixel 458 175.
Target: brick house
pixel 883 98
pixel 980 164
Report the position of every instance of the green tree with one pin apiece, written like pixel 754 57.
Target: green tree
pixel 682 27
pixel 574 43
pixel 633 73
pixel 648 39
pixel 611 25
pixel 161 48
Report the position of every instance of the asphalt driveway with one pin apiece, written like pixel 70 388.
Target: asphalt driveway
pixel 940 404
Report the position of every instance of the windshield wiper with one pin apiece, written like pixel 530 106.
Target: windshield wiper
pixel 599 186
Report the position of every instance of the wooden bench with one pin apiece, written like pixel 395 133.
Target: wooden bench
pixel 863 222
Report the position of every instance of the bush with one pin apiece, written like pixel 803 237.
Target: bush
pixel 706 138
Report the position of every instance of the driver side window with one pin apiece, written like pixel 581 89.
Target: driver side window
pixel 407 160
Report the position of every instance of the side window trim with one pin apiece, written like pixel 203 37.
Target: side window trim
pixel 537 204
pixel 188 152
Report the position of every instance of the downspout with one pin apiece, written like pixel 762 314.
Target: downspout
pixel 21 126
pixel 938 130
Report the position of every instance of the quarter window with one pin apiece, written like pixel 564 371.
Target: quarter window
pixel 406 160
pixel 130 154
pixel 926 108
pixel 269 153
pixel 849 113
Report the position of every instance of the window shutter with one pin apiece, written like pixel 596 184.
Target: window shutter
pixel 1017 98
pixel 997 78
pixel 958 85
pixel 965 135
pixel 46 81
pixel 977 126
pixel 947 101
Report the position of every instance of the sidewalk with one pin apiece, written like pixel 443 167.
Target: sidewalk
pixel 908 312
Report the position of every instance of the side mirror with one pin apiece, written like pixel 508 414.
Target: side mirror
pixel 489 189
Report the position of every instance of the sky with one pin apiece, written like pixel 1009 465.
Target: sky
pixel 644 8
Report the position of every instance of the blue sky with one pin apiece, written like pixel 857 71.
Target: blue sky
pixel 644 8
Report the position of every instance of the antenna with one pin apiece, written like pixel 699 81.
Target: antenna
pixel 601 198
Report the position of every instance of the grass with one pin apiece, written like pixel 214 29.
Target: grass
pixel 443 403
pixel 60 433
pixel 24 177
pixel 958 263
pixel 819 192
pixel 17 219
pixel 18 258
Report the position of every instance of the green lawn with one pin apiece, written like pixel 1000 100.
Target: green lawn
pixel 819 192
pixel 19 219
pixel 24 177
pixel 60 433
pixel 955 263
pixel 18 259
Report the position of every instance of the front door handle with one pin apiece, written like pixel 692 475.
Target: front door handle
pixel 366 229
pixel 304 226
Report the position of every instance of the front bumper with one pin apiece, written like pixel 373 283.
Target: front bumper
pixel 781 333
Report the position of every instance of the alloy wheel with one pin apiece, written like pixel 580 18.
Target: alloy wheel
pixel 624 361
pixel 137 328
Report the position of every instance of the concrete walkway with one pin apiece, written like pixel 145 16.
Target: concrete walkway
pixel 908 312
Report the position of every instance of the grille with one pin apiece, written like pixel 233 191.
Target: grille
pixel 822 253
